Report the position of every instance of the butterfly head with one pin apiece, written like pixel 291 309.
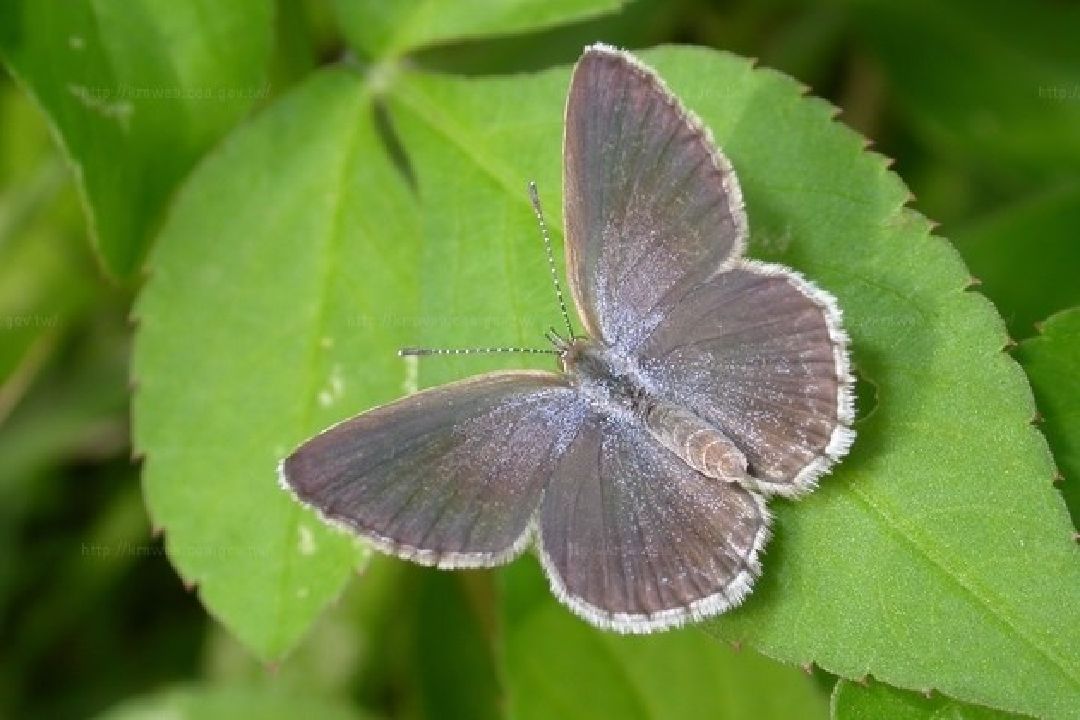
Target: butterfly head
pixel 604 376
pixel 572 352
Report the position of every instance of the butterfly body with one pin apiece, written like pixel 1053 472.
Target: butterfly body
pixel 610 381
pixel 615 385
pixel 708 381
pixel 700 445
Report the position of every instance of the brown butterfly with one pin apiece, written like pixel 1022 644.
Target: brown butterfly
pixel 706 381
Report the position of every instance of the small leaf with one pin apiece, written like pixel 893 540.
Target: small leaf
pixel 207 702
pixel 136 91
pixel 559 667
pixel 387 29
pixel 1026 256
pixel 265 321
pixel 1052 361
pixel 852 701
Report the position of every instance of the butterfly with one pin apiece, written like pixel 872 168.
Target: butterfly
pixel 705 383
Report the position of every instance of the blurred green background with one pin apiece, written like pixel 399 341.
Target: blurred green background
pixel 977 102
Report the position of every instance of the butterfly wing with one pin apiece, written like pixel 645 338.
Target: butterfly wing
pixel 635 540
pixel 650 204
pixel 450 476
pixel 759 352
pixel 655 229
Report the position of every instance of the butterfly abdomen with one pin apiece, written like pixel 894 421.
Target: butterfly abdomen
pixel 699 444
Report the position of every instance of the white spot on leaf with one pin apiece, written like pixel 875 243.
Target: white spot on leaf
pixel 335 387
pixel 306 540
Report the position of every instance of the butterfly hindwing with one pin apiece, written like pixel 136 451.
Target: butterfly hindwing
pixel 758 352
pixel 635 540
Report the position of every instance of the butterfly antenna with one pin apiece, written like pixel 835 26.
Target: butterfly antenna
pixel 416 351
pixel 552 336
pixel 534 196
pixel 557 340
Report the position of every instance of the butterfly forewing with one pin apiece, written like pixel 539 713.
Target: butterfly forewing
pixel 633 539
pixel 650 204
pixel 449 476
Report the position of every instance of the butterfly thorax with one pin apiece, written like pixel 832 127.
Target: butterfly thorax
pixel 617 387
pixel 610 381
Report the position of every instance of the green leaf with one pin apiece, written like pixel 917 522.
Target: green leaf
pixel 1052 362
pixel 22 146
pixel 940 539
pixel 895 565
pixel 994 83
pixel 263 323
pixel 136 91
pixel 852 701
pixel 551 656
pixel 207 702
pixel 474 146
pixel 388 29
pixel 1026 256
